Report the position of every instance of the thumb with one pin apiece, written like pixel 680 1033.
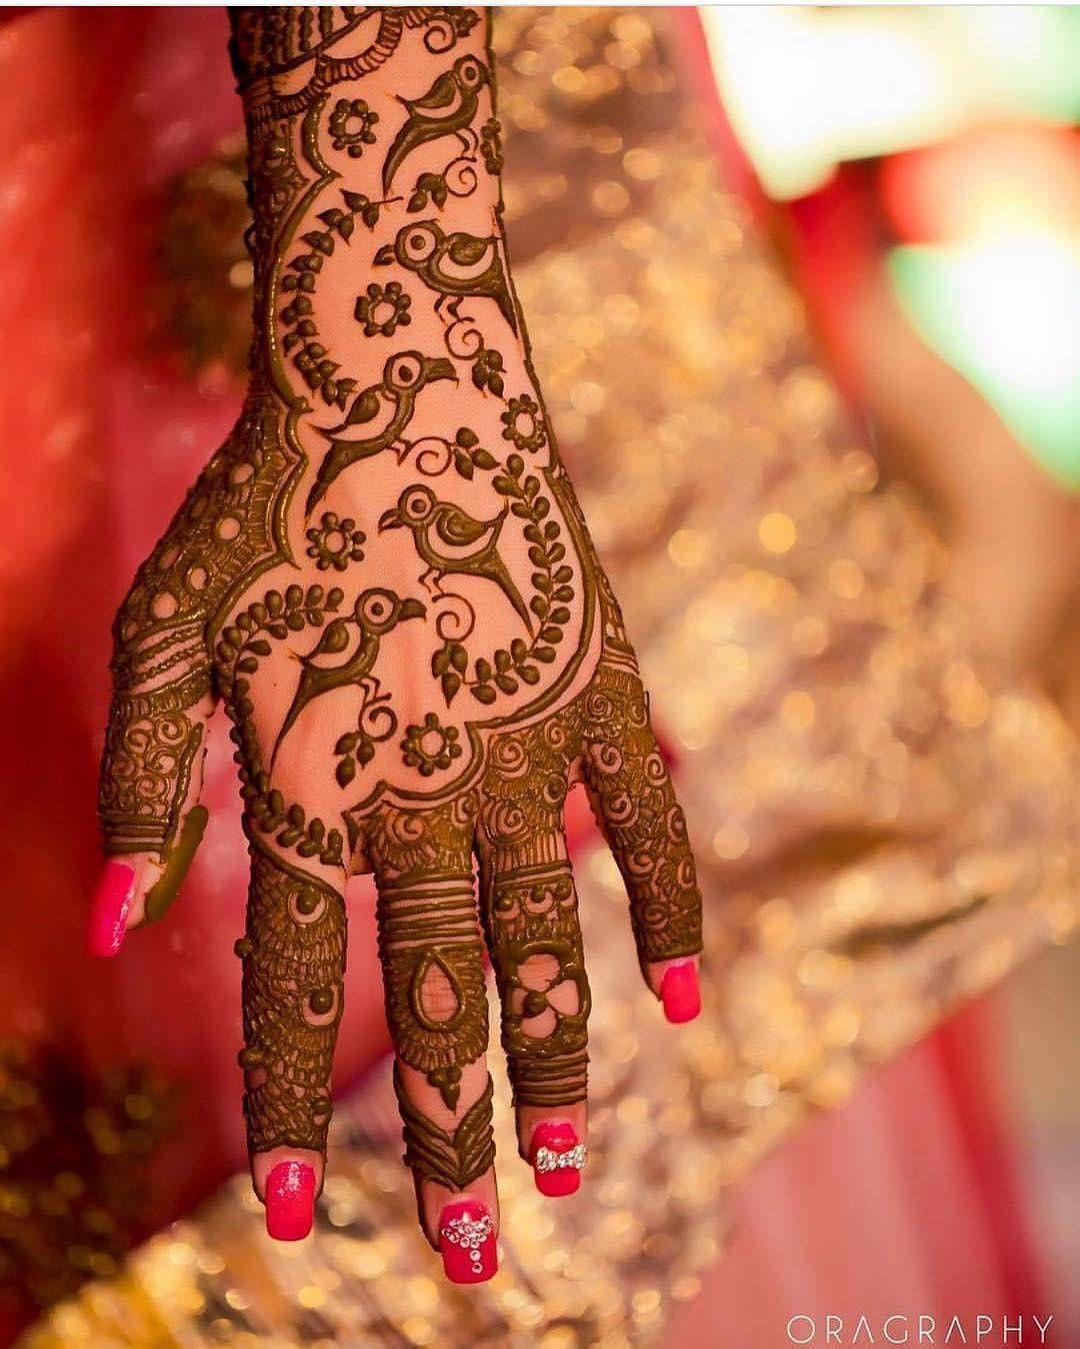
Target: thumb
pixel 151 777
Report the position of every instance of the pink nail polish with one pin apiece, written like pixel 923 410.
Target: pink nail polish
pixel 467 1242
pixel 557 1158
pixel 109 911
pixel 680 993
pixel 290 1201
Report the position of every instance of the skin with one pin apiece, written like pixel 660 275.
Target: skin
pixel 442 727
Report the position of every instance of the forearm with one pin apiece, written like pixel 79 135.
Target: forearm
pixel 376 198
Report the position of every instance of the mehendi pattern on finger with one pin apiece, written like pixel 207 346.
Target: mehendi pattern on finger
pixel 430 942
pixel 643 822
pixel 294 964
pixel 454 1160
pixel 530 911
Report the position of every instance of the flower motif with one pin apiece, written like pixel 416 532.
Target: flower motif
pixel 541 998
pixel 487 371
pixel 491 146
pixel 351 125
pixel 430 746
pixel 382 309
pixel 524 424
pixel 336 543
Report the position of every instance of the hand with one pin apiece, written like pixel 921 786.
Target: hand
pixel 385 574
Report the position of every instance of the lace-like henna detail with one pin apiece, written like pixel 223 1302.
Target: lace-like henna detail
pixel 635 806
pixel 430 943
pixel 294 963
pixel 229 528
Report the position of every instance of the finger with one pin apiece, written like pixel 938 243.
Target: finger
pixel 151 776
pixel 530 912
pixel 293 952
pixel 431 951
pixel 635 805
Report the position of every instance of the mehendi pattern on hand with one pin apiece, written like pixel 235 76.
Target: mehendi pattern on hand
pixel 467 664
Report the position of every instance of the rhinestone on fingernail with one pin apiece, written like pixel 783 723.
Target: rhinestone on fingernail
pixel 470 1234
pixel 548 1160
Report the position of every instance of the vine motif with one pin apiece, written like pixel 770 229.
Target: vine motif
pixel 308 354
pixel 375 723
pixel 241 646
pixel 508 667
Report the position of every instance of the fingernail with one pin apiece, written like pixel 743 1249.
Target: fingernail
pixel 109 911
pixel 680 993
pixel 290 1201
pixel 467 1242
pixel 557 1158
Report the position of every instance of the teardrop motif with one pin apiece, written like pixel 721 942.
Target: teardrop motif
pixel 435 993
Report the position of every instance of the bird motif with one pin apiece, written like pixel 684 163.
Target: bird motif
pixel 455 264
pixel 376 613
pixel 437 524
pixel 404 375
pixel 445 110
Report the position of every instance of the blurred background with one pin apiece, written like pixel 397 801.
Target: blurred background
pixel 841 513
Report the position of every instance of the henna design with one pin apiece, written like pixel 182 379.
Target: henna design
pixel 352 126
pixel 429 942
pixel 448 108
pixel 491 146
pixel 294 965
pixel 383 309
pixel 375 722
pixel 438 526
pixel 454 265
pixel 479 592
pixel 376 613
pixel 452 1160
pixel 404 375
pixel 640 817
pixel 430 746
pixel 229 529
pixel 242 646
pixel 336 543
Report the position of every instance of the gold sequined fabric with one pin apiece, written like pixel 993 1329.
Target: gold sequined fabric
pixel 883 827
